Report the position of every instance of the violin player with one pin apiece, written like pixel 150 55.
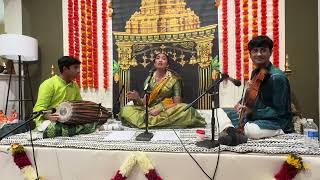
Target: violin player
pixel 265 109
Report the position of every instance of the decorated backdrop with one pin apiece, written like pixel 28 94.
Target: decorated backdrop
pixel 117 41
pixel 185 30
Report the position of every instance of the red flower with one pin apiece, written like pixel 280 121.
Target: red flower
pixel 152 175
pixel 287 172
pixel 21 160
pixel 118 176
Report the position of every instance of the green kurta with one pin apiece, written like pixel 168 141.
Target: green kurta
pixel 51 93
pixel 272 109
pixel 133 115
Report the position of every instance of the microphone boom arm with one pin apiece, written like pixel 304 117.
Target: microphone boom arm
pixel 26 122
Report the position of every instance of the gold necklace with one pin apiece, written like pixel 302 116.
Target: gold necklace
pixel 159 78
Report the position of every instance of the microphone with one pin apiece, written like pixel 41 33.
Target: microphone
pixel 236 82
pixel 46 111
pixel 149 78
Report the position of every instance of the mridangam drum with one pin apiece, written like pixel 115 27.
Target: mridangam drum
pixel 80 112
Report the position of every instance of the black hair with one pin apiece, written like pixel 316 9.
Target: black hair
pixel 169 61
pixel 67 61
pixel 168 58
pixel 260 41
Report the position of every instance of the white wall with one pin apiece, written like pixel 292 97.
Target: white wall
pixel 1 12
pixel 13 16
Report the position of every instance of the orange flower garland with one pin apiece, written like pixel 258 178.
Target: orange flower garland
pixel 263 17
pixel 89 44
pixel 254 21
pixel 275 21
pixel 245 40
pixel 225 35
pixel 254 6
pixel 94 44
pixel 89 39
pixel 83 44
pixel 238 39
pixel 70 28
pixel 76 33
pixel 105 44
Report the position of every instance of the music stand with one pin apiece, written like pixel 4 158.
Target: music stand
pixel 19 48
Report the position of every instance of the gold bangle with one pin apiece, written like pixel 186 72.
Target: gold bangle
pixel 163 107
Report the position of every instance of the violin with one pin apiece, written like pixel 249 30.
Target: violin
pixel 250 95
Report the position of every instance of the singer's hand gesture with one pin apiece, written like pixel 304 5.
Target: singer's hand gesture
pixel 52 117
pixel 133 95
pixel 155 112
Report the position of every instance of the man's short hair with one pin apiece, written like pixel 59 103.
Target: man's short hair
pixel 260 41
pixel 67 61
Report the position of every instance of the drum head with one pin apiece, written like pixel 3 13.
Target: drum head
pixel 65 111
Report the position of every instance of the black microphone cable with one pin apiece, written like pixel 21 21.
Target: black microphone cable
pixel 32 146
pixel 184 147
pixel 219 150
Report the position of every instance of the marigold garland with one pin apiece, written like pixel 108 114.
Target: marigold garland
pixel 105 44
pixel 254 7
pixel 145 164
pixel 238 39
pixel 70 28
pixel 290 168
pixel 225 35
pixel 254 21
pixel 275 21
pixel 83 44
pixel 245 31
pixel 89 43
pixel 89 39
pixel 263 17
pixel 22 161
pixel 76 33
pixel 95 44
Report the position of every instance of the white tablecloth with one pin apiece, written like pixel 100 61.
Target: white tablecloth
pixel 84 164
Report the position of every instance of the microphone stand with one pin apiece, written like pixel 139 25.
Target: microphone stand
pixel 32 117
pixel 208 143
pixel 116 106
pixel 146 136
pixel 26 122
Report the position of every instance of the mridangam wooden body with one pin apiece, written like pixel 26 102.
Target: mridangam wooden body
pixel 80 112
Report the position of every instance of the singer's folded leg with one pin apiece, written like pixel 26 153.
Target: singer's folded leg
pixel 176 117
